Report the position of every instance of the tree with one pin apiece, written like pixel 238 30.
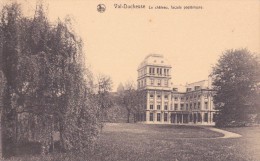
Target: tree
pixel 236 79
pixel 130 99
pixel 47 88
pixel 104 99
pixel 140 101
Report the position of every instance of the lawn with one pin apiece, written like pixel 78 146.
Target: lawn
pixel 139 142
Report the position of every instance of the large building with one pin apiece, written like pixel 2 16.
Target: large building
pixel 169 104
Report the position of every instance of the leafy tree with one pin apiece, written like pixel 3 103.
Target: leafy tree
pixel 47 88
pixel 236 79
pixel 131 99
pixel 140 100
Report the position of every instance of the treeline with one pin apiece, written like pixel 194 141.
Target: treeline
pixel 48 94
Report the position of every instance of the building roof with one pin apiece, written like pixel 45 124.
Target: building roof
pixel 203 84
pixel 154 60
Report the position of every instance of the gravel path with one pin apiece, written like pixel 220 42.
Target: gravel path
pixel 227 134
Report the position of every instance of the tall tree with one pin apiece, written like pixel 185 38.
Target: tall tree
pixel 47 87
pixel 127 98
pixel 236 79
pixel 11 16
pixel 104 87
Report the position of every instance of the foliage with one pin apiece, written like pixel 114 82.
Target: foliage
pixel 47 89
pixel 104 100
pixel 131 99
pixel 236 80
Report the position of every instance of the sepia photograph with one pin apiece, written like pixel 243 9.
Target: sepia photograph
pixel 121 80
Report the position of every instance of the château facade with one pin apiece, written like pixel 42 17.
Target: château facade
pixel 169 104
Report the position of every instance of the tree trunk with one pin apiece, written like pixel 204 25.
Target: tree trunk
pixel 128 116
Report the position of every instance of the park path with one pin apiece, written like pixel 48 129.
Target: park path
pixel 227 134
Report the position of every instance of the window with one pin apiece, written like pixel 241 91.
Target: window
pixel 151 116
pixel 206 105
pixel 151 107
pixel 166 82
pixel 158 70
pixel 166 97
pixel 165 106
pixel 158 96
pixel 175 98
pixel 175 106
pixel 188 89
pixel 198 105
pixel 159 82
pixel 151 95
pixel 191 106
pixel 197 87
pixel 158 107
pixel 206 117
pixel 194 105
pixel 158 116
pixel 182 106
pixel 151 81
pixel 182 98
pixel 165 72
pixel 151 71
pixel 165 117
pixel 187 106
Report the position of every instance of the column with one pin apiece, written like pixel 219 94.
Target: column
pixel 162 99
pixel 175 117
pixel 147 101
pixel 169 117
pixel 147 116
pixel 162 117
pixel 197 116
pixel 192 117
pixel 154 101
pixel 202 117
pixel 210 117
pixel 182 118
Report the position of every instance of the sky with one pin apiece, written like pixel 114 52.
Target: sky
pixel 117 41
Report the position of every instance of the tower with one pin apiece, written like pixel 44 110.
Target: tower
pixel 154 75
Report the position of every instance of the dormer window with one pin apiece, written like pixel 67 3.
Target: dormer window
pixel 188 89
pixel 197 87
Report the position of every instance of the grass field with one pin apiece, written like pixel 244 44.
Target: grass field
pixel 139 142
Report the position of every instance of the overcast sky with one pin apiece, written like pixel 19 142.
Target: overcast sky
pixel 116 41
